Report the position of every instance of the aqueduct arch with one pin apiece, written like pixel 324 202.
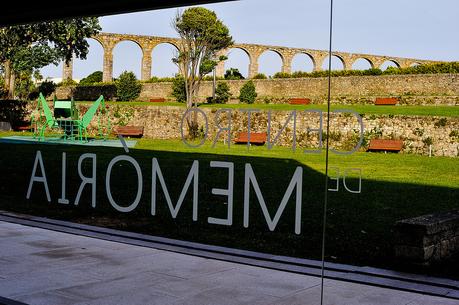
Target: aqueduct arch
pixel 147 44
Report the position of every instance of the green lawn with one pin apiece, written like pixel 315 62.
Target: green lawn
pixel 446 111
pixel 360 226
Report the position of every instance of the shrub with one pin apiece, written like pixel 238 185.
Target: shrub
pixel 95 77
pixel 92 92
pixel 155 79
pixel 282 75
pixel 222 94
pixel 67 83
pixel 260 76
pixel 233 73
pixel 127 86
pixel 46 88
pixel 178 88
pixel 441 122
pixel 247 94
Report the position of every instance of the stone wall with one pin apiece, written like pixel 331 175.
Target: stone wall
pixel 417 132
pixel 428 239
pixel 412 88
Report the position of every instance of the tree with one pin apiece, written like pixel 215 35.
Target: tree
pixel 95 77
pixel 247 94
pixel 127 86
pixel 27 48
pixel 222 94
pixel 233 73
pixel 179 88
pixel 202 36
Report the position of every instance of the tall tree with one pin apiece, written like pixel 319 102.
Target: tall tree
pixel 202 35
pixel 27 48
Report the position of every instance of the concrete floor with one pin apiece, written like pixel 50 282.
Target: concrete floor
pixel 39 266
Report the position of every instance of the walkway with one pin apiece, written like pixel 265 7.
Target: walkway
pixel 39 266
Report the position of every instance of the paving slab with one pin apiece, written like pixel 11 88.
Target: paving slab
pixel 40 266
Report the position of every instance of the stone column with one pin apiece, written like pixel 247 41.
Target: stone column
pixel 319 61
pixel 108 65
pixel 347 62
pixel 286 63
pixel 146 64
pixel 67 71
pixel 220 69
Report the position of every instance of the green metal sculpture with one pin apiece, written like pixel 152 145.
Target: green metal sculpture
pixel 66 119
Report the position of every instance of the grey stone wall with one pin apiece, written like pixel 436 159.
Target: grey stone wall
pixel 417 132
pixel 413 89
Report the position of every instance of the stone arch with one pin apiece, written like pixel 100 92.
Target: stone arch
pixel 93 62
pixel 130 63
pixel 228 63
pixel 266 68
pixel 337 61
pixel 163 67
pixel 389 62
pixel 309 56
pixel 361 62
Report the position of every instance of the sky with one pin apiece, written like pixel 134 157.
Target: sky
pixel 423 29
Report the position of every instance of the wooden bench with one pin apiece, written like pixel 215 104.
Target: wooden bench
pixel 157 100
pixel 299 101
pixel 385 145
pixel 129 131
pixel 256 138
pixel 386 101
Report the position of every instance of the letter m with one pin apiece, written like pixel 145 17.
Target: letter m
pixel 192 175
pixel 297 181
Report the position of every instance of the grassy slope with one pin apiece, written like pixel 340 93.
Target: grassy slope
pixel 394 187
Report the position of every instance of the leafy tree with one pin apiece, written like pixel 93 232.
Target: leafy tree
pixel 202 36
pixel 27 48
pixel 247 94
pixel 179 88
pixel 95 77
pixel 127 86
pixel 233 73
pixel 222 94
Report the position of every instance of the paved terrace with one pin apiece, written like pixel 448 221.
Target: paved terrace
pixel 39 266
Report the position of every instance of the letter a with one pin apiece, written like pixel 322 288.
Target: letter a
pixel 34 178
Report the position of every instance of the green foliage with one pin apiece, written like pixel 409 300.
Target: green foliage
pixel 427 141
pixel 92 92
pixel 449 67
pixel 24 85
pixel 441 122
pixel 248 94
pixel 260 76
pixel 222 94
pixel 127 86
pixel 210 78
pixel 67 83
pixel 202 35
pixel 46 88
pixel 93 78
pixel 178 88
pixel 155 79
pixel 233 74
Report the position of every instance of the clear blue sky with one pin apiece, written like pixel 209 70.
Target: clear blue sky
pixel 423 29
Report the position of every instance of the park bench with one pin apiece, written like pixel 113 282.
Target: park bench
pixel 385 145
pixel 256 138
pixel 299 101
pixel 129 131
pixel 386 101
pixel 157 100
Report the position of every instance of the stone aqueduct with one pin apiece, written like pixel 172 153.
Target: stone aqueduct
pixel 254 51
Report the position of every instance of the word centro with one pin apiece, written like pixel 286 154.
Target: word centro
pixel 250 179
pixel 292 117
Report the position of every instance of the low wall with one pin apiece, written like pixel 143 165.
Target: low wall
pixel 417 132
pixel 412 88
pixel 428 239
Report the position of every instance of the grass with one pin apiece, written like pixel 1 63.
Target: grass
pixel 445 111
pixel 360 226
